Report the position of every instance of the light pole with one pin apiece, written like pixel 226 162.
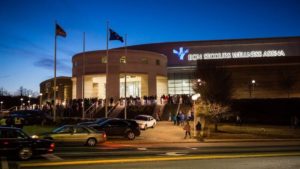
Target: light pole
pixel 1 105
pixel 41 95
pixel 252 88
pixel 194 98
pixel 29 96
pixel 21 103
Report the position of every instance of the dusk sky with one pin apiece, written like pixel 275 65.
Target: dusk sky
pixel 27 28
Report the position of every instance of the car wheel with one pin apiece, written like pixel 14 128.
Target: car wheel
pixel 145 127
pixel 130 135
pixel 25 153
pixel 153 125
pixel 91 142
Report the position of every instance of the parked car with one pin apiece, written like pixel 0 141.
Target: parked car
pixel 31 117
pixel 14 141
pixel 76 134
pixel 98 121
pixel 118 127
pixel 145 121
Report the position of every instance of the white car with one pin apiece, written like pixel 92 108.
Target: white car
pixel 145 121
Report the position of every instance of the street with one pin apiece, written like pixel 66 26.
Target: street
pixel 237 163
pixel 176 155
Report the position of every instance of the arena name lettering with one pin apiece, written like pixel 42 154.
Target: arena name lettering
pixel 238 54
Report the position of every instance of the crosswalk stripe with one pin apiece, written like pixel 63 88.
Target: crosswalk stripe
pixel 4 163
pixel 52 157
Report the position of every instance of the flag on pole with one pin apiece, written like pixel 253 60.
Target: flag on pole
pixel 59 31
pixel 114 36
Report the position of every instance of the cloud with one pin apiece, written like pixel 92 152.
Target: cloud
pixel 48 64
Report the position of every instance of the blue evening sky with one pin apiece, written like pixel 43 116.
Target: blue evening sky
pixel 27 28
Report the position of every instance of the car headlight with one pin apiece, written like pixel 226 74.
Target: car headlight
pixel 34 136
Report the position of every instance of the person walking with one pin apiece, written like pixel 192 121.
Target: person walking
pixel 198 129
pixel 18 122
pixel 187 129
pixel 3 122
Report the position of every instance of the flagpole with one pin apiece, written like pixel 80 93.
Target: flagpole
pixel 54 84
pixel 83 73
pixel 106 71
pixel 125 110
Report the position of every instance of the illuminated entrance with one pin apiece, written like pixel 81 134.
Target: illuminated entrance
pixel 133 86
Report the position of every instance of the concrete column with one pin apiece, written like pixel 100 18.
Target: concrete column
pixel 152 84
pixel 74 88
pixel 79 87
pixel 113 86
pixel 144 85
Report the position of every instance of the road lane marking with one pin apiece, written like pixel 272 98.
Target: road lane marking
pixel 173 154
pixel 52 157
pixel 155 159
pixel 4 163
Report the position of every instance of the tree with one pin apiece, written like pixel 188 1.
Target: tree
pixel 215 86
pixel 3 92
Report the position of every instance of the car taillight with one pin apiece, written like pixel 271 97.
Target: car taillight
pixel 51 148
pixel 52 145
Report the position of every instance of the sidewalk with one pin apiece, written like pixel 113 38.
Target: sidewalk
pixel 166 132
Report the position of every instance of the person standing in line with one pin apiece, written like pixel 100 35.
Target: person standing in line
pixel 187 129
pixel 198 129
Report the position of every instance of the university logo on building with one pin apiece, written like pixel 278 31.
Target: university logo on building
pixel 181 52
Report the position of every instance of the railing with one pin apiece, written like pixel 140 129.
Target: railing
pixel 91 110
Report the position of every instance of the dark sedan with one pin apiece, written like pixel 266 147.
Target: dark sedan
pixel 13 141
pixel 118 127
pixel 98 121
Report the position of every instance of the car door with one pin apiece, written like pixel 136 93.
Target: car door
pixel 80 134
pixel 64 135
pixel 119 127
pixel 7 143
pixel 12 140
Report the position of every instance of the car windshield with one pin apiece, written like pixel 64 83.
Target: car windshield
pixel 100 120
pixel 141 118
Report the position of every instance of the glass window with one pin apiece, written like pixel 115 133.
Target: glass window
pixel 81 130
pixel 104 59
pixel 157 62
pixel 144 60
pixel 123 59
pixel 64 129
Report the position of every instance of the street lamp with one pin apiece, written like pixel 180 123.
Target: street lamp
pixel 252 87
pixel 1 105
pixel 41 95
pixel 29 96
pixel 21 103
pixel 194 98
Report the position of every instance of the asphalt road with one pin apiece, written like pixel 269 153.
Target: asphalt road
pixel 284 162
pixel 164 155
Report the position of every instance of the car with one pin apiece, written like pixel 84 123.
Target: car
pixel 14 141
pixel 145 121
pixel 118 127
pixel 98 121
pixel 76 134
pixel 31 117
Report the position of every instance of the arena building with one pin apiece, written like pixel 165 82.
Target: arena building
pixel 261 68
